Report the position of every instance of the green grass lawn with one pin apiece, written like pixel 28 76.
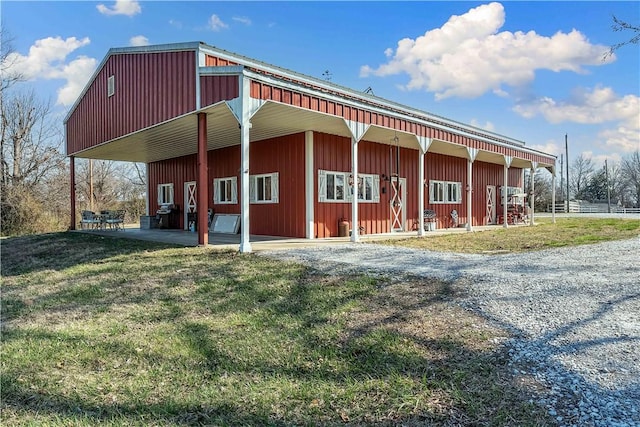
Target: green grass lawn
pixel 544 235
pixel 101 331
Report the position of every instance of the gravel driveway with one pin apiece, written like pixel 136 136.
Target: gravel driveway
pixel 574 313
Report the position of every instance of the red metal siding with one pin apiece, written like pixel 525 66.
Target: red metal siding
pixel 333 153
pixel 176 171
pixel 284 155
pixel 224 163
pixel 213 61
pixel 267 92
pixel 218 88
pixel 445 168
pixel 149 88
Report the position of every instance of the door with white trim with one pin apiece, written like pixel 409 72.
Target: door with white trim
pixel 491 204
pixel 398 204
pixel 190 200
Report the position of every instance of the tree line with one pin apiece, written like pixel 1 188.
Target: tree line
pixel 619 182
pixel 34 171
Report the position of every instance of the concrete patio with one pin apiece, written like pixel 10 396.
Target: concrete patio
pixel 225 241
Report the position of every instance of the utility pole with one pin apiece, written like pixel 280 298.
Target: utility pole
pixel 606 175
pixel 566 148
pixel 561 178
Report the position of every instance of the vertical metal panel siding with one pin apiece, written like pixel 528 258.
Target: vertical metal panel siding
pixel 284 155
pixel 485 174
pixel 333 153
pixel 264 91
pixel 149 89
pixel 176 171
pixel 224 163
pixel 445 168
pixel 213 61
pixel 218 88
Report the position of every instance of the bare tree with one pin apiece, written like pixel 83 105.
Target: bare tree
pixel 631 171
pixel 30 140
pixel 7 61
pixel 619 26
pixel 581 172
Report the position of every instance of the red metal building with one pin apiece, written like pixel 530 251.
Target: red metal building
pixel 292 155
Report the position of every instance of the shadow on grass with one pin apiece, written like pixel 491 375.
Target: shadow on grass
pixel 241 340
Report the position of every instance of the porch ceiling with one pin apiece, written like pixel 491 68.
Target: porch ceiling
pixel 179 137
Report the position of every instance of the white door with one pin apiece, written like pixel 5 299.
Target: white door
pixel 491 204
pixel 398 204
pixel 190 200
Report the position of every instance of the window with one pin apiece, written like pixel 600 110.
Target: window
pixel 445 192
pixel 111 85
pixel 225 191
pixel 263 188
pixel 368 188
pixel 165 194
pixel 334 187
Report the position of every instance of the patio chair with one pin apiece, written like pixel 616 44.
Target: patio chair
pixel 115 220
pixel 89 220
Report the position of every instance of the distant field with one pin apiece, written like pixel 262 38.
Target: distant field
pixel 99 331
pixel 566 232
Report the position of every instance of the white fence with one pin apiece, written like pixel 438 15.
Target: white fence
pixel 575 207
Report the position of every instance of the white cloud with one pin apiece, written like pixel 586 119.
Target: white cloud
pixel 551 147
pixel 242 19
pixel 47 60
pixel 622 138
pixel 216 24
pixel 176 24
pixel 487 126
pixel 598 106
pixel 139 41
pixel 468 57
pixel 598 159
pixel 121 7
pixel 587 107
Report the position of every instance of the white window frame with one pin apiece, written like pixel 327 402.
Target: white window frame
pixel 165 190
pixel 326 177
pixel 445 192
pixel 255 181
pixel 374 183
pixel 111 85
pixel 230 183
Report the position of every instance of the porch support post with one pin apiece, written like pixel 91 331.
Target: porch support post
pixel 534 166
pixel 308 184
pixel 472 152
pixel 355 235
pixel 202 181
pixel 147 207
pixel 424 144
pixel 421 192
pixel 72 191
pixel 505 192
pixel 245 126
pixel 553 194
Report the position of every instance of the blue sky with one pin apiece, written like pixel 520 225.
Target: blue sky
pixel 529 70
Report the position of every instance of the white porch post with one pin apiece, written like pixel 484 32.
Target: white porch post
pixel 553 194
pixel 532 200
pixel 309 181
pixel 424 144
pixel 421 193
pixel 472 152
pixel 355 235
pixel 245 126
pixel 505 193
